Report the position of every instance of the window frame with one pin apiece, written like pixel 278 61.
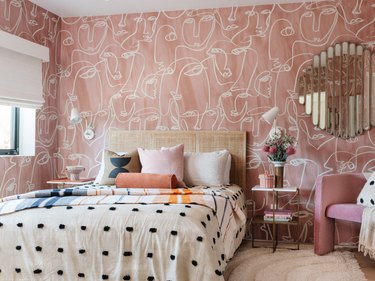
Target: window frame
pixel 15 138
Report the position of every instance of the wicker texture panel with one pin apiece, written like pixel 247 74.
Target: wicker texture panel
pixel 194 141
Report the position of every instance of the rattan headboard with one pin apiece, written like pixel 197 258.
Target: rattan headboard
pixel 194 141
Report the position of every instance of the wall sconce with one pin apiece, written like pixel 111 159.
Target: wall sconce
pixel 270 116
pixel 75 118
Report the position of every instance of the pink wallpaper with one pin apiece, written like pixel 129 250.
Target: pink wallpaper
pixel 20 174
pixel 214 69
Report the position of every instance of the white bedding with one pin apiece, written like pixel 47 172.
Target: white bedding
pixel 102 237
pixel 366 243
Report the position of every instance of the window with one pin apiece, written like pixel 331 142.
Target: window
pixel 9 130
pixel 21 84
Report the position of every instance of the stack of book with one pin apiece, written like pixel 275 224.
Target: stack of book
pixel 280 215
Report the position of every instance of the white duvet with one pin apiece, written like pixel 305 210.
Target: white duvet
pixel 95 240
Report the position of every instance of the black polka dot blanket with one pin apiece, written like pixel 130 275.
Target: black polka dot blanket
pixel 104 233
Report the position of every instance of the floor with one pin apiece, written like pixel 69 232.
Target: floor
pixel 367 266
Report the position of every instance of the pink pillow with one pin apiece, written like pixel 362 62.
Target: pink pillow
pixel 167 160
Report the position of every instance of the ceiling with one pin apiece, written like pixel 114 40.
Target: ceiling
pixel 78 8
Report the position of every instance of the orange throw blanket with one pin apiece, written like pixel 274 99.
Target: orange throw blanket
pixel 145 180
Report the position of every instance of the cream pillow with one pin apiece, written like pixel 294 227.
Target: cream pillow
pixel 367 195
pixel 167 160
pixel 114 163
pixel 207 168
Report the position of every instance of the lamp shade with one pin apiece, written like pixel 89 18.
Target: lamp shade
pixel 270 115
pixel 75 118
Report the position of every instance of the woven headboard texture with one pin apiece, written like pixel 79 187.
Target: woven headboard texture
pixel 194 141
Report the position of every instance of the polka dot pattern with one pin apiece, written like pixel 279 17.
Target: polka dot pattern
pixel 204 239
pixel 367 195
pixel 218 272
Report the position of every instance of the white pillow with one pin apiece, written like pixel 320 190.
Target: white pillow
pixel 207 168
pixel 367 195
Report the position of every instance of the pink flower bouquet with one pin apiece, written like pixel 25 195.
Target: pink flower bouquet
pixel 279 146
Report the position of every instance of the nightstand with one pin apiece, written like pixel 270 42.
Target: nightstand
pixel 275 216
pixel 61 183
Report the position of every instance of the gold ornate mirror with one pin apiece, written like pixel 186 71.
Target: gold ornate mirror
pixel 338 90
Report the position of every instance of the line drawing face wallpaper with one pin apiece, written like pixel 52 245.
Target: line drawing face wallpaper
pixel 211 69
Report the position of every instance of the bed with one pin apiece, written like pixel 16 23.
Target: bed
pixel 100 232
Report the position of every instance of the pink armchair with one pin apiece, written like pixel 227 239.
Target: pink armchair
pixel 335 198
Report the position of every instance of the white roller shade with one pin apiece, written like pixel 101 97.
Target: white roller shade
pixel 21 79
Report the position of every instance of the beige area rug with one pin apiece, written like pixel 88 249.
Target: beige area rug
pixel 260 264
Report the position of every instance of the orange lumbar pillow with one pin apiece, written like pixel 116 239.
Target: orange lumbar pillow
pixel 145 180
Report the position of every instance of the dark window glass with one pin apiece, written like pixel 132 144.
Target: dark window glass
pixel 9 130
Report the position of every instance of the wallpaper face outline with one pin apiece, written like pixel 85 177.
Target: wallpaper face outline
pixel 214 69
pixel 21 174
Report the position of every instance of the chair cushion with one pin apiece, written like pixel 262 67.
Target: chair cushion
pixel 348 212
